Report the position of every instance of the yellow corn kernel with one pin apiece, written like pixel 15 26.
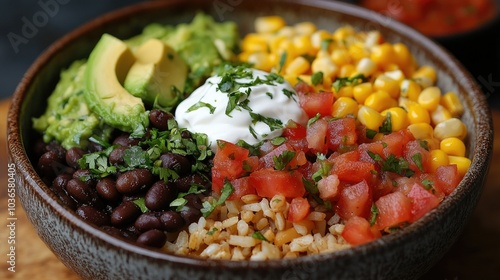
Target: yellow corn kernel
pixel 383 55
pixel 243 56
pixel 261 60
pixel 344 106
pixel 361 92
pixel 370 118
pixel 303 45
pixel 298 66
pixel 421 131
pixel 324 64
pixel 396 75
pixel 345 91
pixel 429 98
pixel 285 236
pixel 269 24
pixel 440 115
pixel 366 66
pixel 380 101
pixel 410 89
pixel 305 28
pixel 405 103
pixel 402 56
pixel 275 43
pixel 287 46
pixel 451 102
pixel 399 118
pixel 426 72
pixel 292 79
pixel 438 158
pixel 450 128
pixel 418 114
pixel 357 51
pixel 462 164
pixel 254 43
pixel 387 84
pixel 453 146
pixel 343 32
pixel 326 85
pixel 340 57
pixel 346 70
pixel 318 37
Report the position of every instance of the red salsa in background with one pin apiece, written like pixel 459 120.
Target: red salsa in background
pixel 436 17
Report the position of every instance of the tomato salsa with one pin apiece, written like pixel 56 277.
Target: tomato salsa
pixel 436 17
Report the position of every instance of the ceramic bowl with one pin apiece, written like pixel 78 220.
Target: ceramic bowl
pixel 93 254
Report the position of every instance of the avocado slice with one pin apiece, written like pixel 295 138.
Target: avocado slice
pixel 106 69
pixel 158 75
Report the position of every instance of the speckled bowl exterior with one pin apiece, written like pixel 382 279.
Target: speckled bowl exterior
pixel 93 254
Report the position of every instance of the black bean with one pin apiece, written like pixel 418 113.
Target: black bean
pixel 60 182
pixel 39 148
pixel 50 165
pixel 114 232
pixel 176 162
pixel 116 156
pixel 159 196
pixel 57 148
pixel 159 119
pixel 72 156
pixel 184 183
pixel 190 214
pixel 94 147
pixel 79 191
pixel 153 238
pixel 86 176
pixel 194 201
pixel 171 221
pixel 106 188
pixel 125 214
pixel 147 221
pixel 93 215
pixel 185 134
pixel 134 181
pixel 125 140
pixel 67 200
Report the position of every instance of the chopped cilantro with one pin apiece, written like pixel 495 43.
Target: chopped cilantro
pixel 317 78
pixel 212 231
pixel 282 61
pixel 417 159
pixel 208 207
pixel 374 214
pixel 345 81
pixel 141 204
pixel 281 161
pixel 370 133
pixel 313 119
pixel 386 126
pixel 259 235
pixel 201 104
pixel 424 144
pixel 393 164
pixel 427 184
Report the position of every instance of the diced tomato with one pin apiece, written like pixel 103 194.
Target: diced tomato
pixel 294 131
pixel 357 231
pixel 395 142
pixel 354 200
pixel 341 132
pixel 422 201
pixel 448 178
pixel 405 184
pixel 350 169
pixel 328 187
pixel 375 147
pixel 229 159
pixel 306 170
pixel 393 210
pixel 316 136
pixel 298 210
pixel 251 164
pixel 241 188
pixel 417 156
pixel 267 161
pixel 269 182
pixel 431 182
pixel 313 102
pixel 266 147
pixel 217 180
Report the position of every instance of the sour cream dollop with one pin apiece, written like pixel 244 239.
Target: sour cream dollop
pixel 260 105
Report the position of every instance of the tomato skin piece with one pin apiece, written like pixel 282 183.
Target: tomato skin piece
pixel 313 102
pixel 395 142
pixel 393 209
pixel 422 201
pixel 294 131
pixel 298 210
pixel 357 231
pixel 269 182
pixel 413 148
pixel 316 136
pixel 354 200
pixel 341 132
pixel 229 159
pixel 448 178
pixel 241 188
pixel 350 169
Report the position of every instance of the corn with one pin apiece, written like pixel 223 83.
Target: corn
pixel 387 84
pixel 399 118
pixel 343 32
pixel 345 91
pixel 426 72
pixel 380 100
pixel 423 82
pixel 438 158
pixel 373 38
pixel 453 146
pixel 318 37
pixel 383 55
pixel 292 79
pixel 410 89
pixel 450 128
pixel 275 43
pixel 327 82
pixel 347 70
pixel 366 66
pixel 462 164
pixel 402 56
pixel 451 102
pixel 357 51
pixel 254 43
pixel 299 65
pixel 418 114
pixel 269 24
pixel 325 64
pixel 286 236
pixel 344 106
pixel 440 115
pixel 405 103
pixel 302 45
pixel 361 92
pixel 370 118
pixel 261 60
pixel 286 45
pixel 429 98
pixel 421 131
pixel 340 57
pixel 305 28
pixel 396 75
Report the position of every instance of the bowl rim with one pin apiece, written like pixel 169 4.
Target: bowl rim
pixel 18 155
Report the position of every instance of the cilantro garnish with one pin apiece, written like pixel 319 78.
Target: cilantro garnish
pixel 278 140
pixel 313 119
pixel 208 207
pixel 201 104
pixel 427 184
pixel 212 231
pixel 374 214
pixel 345 81
pixel 386 127
pixel 281 161
pixel 317 78
pixel 259 235
pixel 393 164
pixel 141 204
pixel 282 61
pixel 417 159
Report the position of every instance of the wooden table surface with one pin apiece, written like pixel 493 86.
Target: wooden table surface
pixel 476 255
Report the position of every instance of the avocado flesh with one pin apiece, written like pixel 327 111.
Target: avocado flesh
pixel 107 67
pixel 158 75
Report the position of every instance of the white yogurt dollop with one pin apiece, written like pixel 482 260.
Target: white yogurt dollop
pixel 264 104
